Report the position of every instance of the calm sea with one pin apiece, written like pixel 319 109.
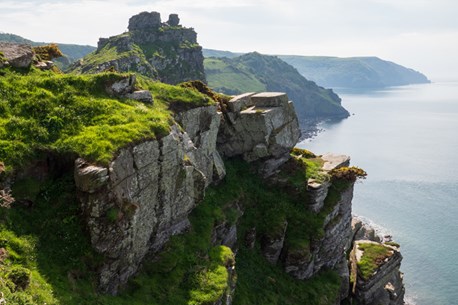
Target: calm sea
pixel 406 138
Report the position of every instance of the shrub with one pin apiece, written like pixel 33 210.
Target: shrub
pixel 348 173
pixel 304 153
pixel 20 276
pixel 48 52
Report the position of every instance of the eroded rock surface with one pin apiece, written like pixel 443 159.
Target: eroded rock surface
pixel 259 126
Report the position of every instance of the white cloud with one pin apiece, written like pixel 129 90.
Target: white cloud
pixel 413 32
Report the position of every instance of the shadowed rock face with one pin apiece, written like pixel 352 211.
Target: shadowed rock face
pixel 144 21
pixel 16 55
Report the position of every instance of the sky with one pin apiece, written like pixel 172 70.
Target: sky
pixel 419 34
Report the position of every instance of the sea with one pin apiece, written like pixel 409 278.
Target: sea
pixel 406 138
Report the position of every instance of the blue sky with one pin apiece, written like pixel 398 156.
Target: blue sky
pixel 419 34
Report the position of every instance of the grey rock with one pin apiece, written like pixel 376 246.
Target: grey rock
pixel 317 192
pixel 266 132
pixel 270 99
pixel 89 178
pixel 361 230
pixel 144 96
pixel 17 55
pixel 385 286
pixel 144 21
pixel 122 87
pixel 174 20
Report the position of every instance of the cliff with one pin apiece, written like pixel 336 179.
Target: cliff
pixel 113 184
pixel 166 51
pixel 341 72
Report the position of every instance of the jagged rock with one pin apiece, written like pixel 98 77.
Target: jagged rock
pixel 272 245
pixel 267 129
pixel 144 21
pixel 174 20
pixel 317 192
pixel 385 286
pixel 16 55
pixel 363 231
pixel 144 96
pixel 44 65
pixel 202 125
pixel 89 178
pixel 328 251
pixel 122 87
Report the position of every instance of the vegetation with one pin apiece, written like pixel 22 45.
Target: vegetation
pixel 254 72
pixel 373 257
pixel 47 52
pixel 73 114
pixel 47 242
pixel 348 173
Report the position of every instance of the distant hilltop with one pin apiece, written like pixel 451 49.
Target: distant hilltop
pixel 352 72
pixel 165 51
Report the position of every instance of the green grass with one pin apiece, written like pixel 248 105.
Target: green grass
pixel 72 114
pixel 373 257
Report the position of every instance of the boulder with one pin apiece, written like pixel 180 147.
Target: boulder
pixel 260 126
pixel 122 87
pixel 145 21
pixel 144 96
pixel 174 20
pixel 16 55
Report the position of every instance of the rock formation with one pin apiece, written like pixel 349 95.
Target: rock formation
pixel 15 55
pixel 166 51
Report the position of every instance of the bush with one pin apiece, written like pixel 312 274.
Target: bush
pixel 348 173
pixel 304 153
pixel 20 276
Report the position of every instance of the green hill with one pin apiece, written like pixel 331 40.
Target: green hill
pixel 352 72
pixel 257 72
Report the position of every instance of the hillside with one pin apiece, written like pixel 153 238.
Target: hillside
pixel 352 72
pixel 256 72
pixel 73 52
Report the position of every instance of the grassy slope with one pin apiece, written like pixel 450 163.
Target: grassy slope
pixel 253 71
pixel 73 114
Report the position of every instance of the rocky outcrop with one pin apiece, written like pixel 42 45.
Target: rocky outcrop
pixel 328 251
pixel 384 286
pixel 125 88
pixel 15 55
pixel 259 126
pixel 144 196
pixel 166 51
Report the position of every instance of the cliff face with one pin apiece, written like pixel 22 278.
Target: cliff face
pixel 143 197
pixel 166 51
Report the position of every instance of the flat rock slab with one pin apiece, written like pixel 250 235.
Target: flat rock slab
pixel 17 55
pixel 332 161
pixel 270 99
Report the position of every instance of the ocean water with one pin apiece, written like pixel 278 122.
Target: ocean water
pixel 406 138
